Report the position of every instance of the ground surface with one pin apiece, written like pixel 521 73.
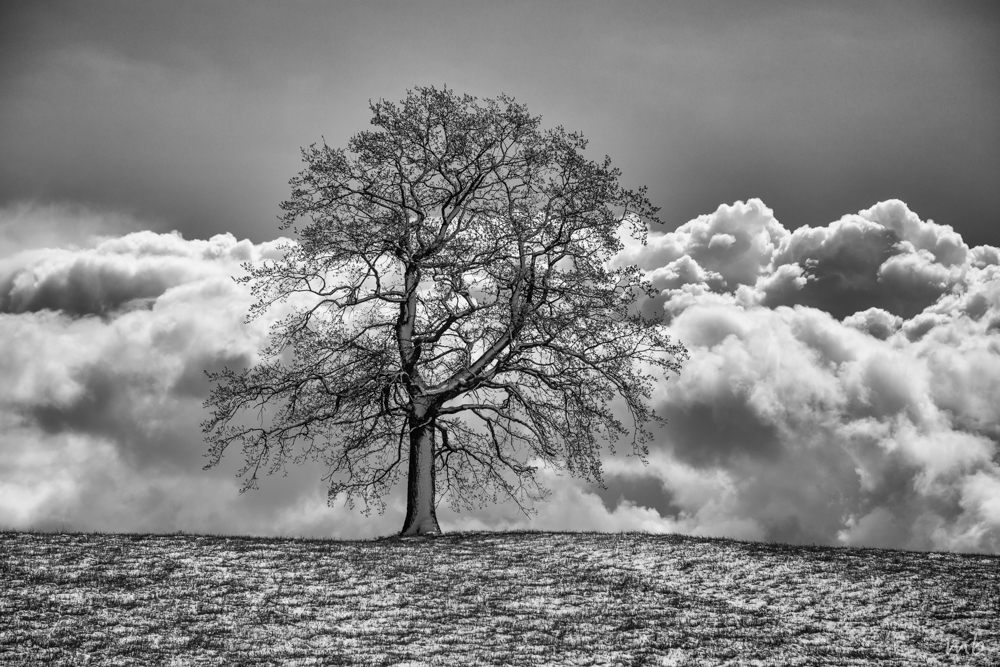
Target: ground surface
pixel 488 599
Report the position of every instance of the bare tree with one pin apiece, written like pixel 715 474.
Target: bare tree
pixel 461 311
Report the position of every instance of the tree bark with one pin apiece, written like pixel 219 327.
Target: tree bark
pixel 421 519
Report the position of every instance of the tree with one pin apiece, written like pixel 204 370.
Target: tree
pixel 460 310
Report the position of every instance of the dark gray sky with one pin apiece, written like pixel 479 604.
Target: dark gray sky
pixel 843 385
pixel 191 114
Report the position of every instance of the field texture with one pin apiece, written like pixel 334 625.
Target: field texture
pixel 522 598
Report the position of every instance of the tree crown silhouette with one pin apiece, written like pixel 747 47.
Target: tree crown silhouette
pixel 460 311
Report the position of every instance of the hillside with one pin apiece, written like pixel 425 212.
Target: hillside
pixel 521 598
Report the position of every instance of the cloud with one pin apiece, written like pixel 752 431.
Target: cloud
pixel 127 271
pixel 875 322
pixel 848 385
pixel 841 415
pixel 726 249
pixel 101 401
pixel 822 424
pixel 884 257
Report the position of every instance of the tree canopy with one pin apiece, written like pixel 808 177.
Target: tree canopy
pixel 459 312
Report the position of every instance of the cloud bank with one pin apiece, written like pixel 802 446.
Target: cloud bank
pixel 844 381
pixel 843 388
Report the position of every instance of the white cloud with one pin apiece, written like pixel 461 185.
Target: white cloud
pixel 879 426
pixel 879 429
pixel 875 322
pixel 942 241
pixel 884 257
pixel 117 272
pixel 101 414
pixel 735 243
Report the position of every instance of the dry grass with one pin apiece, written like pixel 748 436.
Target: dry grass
pixel 521 598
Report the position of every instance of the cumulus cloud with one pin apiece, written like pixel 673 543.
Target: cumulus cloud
pixel 724 250
pixel 133 270
pixel 105 347
pixel 843 388
pixel 820 425
pixel 875 322
pixel 847 386
pixel 884 257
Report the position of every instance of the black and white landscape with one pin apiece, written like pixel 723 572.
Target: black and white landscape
pixel 829 255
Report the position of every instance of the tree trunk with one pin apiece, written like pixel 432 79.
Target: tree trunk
pixel 421 518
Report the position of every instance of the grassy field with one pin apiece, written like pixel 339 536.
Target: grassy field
pixel 521 598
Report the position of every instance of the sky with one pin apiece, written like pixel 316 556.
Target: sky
pixel 826 174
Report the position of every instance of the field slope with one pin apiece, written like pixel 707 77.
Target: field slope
pixel 517 598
